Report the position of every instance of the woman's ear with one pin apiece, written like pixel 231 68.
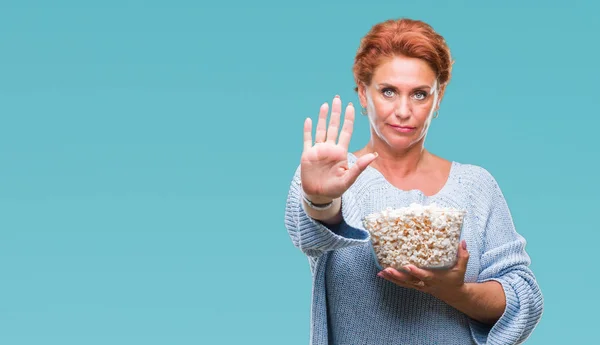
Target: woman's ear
pixel 362 94
pixel 439 99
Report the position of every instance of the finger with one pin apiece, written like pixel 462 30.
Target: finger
pixel 358 167
pixel 397 275
pixel 419 273
pixel 307 133
pixel 348 127
pixel 463 256
pixel 322 124
pixel 334 120
pixel 398 282
pixel 400 278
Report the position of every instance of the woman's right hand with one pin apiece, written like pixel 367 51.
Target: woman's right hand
pixel 324 168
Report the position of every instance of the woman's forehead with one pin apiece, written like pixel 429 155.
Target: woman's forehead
pixel 404 71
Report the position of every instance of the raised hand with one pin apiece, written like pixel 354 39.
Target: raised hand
pixel 324 166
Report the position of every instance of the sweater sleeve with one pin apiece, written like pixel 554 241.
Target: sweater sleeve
pixel 505 260
pixel 313 237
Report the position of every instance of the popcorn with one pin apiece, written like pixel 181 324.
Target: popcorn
pixel 426 236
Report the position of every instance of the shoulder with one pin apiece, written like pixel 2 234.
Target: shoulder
pixel 474 171
pixel 477 177
pixel 480 187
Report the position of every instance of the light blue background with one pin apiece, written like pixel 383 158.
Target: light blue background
pixel 146 150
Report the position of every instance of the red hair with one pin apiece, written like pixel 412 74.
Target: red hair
pixel 407 37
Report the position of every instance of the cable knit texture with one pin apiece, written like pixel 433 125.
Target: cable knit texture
pixel 351 305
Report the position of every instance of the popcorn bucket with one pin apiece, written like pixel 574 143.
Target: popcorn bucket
pixel 424 236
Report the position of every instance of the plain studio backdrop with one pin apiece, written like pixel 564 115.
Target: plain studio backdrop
pixel 146 151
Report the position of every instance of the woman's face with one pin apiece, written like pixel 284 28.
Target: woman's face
pixel 400 101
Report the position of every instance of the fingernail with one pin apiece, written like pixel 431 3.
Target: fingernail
pixel 380 275
pixel 407 268
pixel 464 244
pixel 376 154
pixel 337 96
pixel 349 104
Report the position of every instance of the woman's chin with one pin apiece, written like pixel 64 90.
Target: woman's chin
pixel 402 144
pixel 404 140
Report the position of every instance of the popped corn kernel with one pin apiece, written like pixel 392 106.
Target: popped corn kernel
pixel 426 236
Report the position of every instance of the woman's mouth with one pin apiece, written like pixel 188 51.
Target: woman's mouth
pixel 403 129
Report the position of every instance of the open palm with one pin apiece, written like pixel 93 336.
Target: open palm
pixel 324 167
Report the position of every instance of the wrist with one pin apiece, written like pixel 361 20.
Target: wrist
pixel 329 214
pixel 317 206
pixel 457 295
pixel 316 199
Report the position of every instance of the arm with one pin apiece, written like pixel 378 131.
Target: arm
pixel 506 263
pixel 484 302
pixel 312 236
pixel 331 216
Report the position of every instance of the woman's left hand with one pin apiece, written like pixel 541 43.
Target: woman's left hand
pixel 444 284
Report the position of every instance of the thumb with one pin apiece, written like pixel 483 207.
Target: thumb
pixel 463 255
pixel 359 166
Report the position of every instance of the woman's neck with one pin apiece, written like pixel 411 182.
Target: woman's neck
pixel 399 163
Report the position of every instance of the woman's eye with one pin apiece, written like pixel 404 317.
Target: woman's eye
pixel 388 93
pixel 420 95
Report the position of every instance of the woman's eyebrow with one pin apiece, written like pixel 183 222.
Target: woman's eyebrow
pixel 392 86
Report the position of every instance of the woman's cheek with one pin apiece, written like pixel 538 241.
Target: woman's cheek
pixel 384 109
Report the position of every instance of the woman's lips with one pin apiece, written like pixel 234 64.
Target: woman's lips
pixel 403 129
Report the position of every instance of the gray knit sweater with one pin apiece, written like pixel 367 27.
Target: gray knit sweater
pixel 351 305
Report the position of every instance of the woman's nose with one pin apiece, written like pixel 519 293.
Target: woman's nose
pixel 403 108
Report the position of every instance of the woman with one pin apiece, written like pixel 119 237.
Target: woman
pixel 490 296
